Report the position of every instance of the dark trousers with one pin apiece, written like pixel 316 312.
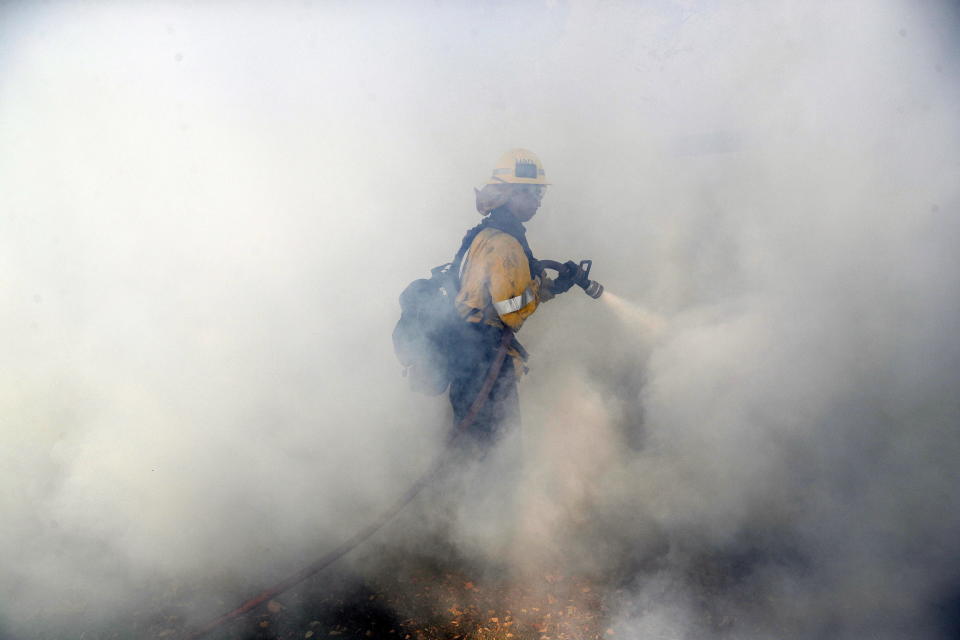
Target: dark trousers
pixel 472 360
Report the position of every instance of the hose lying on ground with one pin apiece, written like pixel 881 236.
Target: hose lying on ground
pixel 360 536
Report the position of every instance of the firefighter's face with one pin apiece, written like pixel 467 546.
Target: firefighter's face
pixel 525 200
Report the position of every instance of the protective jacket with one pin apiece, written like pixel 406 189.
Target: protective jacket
pixel 500 282
pixel 500 285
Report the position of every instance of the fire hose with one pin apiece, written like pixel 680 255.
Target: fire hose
pixel 362 535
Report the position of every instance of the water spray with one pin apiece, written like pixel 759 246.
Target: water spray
pixel 635 316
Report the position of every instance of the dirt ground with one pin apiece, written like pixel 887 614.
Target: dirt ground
pixel 424 604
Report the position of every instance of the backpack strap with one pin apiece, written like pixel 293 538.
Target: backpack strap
pixel 497 219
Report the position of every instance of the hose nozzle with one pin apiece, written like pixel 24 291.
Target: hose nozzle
pixel 593 289
pixel 579 274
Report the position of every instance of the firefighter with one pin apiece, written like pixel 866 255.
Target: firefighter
pixel 501 285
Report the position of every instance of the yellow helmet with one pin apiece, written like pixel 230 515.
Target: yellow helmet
pixel 518 166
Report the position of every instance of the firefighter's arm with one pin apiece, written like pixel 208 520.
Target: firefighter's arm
pixel 514 294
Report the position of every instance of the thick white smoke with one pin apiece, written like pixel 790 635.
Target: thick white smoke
pixel 208 212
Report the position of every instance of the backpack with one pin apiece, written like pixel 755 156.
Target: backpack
pixel 428 330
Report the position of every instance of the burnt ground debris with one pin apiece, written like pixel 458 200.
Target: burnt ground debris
pixel 434 595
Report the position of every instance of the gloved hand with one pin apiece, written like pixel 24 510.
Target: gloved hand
pixel 567 277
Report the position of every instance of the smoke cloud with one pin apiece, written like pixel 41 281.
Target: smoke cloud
pixel 208 212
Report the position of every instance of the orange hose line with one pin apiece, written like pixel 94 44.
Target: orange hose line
pixel 363 534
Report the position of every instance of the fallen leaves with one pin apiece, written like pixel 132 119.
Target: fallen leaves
pixel 473 610
pixel 436 606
